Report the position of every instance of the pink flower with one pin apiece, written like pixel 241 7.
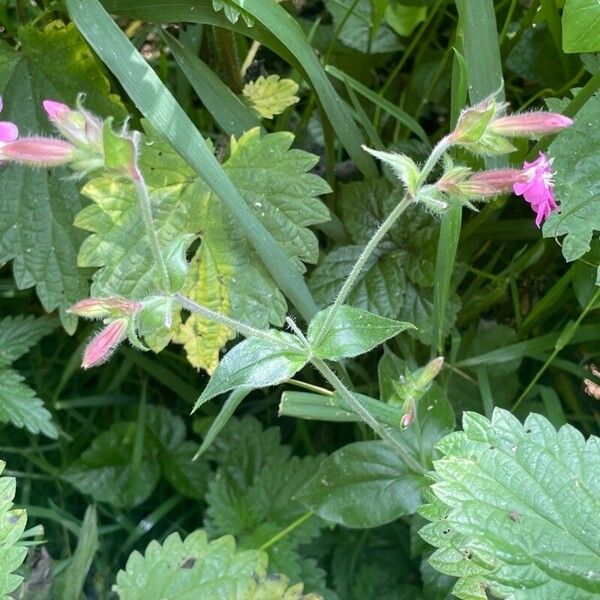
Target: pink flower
pixel 537 189
pixel 8 131
pixel 530 124
pixel 104 343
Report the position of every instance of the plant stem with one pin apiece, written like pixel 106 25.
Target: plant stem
pixel 438 151
pixel 146 210
pixel 238 326
pixel 365 415
pixel 287 530
pixel 362 259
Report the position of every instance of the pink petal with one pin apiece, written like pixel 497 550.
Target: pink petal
pixel 8 131
pixel 55 110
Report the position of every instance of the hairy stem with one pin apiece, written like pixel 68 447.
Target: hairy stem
pixel 146 209
pixel 438 151
pixel 245 330
pixel 366 416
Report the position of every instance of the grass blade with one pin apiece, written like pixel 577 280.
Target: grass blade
pixel 157 104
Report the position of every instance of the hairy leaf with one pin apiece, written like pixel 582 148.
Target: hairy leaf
pixel 353 331
pixel 19 334
pixel 12 526
pixel 576 153
pixel 195 568
pixel 20 406
pixel 256 363
pixel 36 221
pixel 514 509
pixel 270 96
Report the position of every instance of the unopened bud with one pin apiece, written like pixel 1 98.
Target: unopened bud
pixel 429 372
pixel 484 184
pixel 408 417
pixel 101 308
pixel 474 121
pixel 79 126
pixel 533 124
pixel 34 151
pixel 104 343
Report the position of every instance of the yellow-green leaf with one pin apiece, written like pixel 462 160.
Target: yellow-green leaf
pixel 270 96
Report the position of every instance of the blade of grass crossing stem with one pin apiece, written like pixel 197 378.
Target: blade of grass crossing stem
pixel 232 115
pixel 157 104
pixel 451 222
pixel 277 30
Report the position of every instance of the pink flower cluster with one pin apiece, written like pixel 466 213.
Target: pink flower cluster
pixel 40 151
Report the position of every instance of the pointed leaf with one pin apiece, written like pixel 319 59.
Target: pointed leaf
pixel 19 334
pixel 353 331
pixel 256 363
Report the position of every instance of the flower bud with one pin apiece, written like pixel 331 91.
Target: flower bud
pixel 101 308
pixel 34 151
pixel 104 343
pixel 533 124
pixel 79 126
pixel 429 372
pixel 484 184
pixel 474 121
pixel 408 417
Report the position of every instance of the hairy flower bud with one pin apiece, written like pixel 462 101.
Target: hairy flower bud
pixel 37 151
pixel 104 343
pixel 484 184
pixel 532 124
pixel 79 126
pixel 101 308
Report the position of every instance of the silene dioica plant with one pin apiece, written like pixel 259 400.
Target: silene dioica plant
pixel 179 242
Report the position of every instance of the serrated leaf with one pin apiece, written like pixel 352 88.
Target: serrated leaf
pixel 20 406
pixel 271 95
pixel 256 363
pixel 231 12
pixel 38 207
pixel 515 509
pixel 12 526
pixel 352 332
pixel 275 182
pixel 119 245
pixel 191 569
pixel 576 153
pixel 364 484
pixel 581 26
pixel 104 470
pixel 19 334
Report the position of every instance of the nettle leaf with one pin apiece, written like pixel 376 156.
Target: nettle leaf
pixel 19 404
pixel 576 153
pixel 354 27
pixel 271 95
pixel 226 274
pixel 364 484
pixel 105 470
pixel 397 281
pixel 12 526
pixel 39 205
pixel 196 568
pixel 253 497
pixel 581 26
pixel 256 363
pixel 515 511
pixel 119 245
pixel 353 331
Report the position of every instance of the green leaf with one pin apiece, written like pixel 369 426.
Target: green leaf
pixel 36 224
pixel 270 96
pixel 104 470
pixel 354 27
pixel 514 509
pixel 403 19
pixel 71 581
pixel 20 406
pixel 227 274
pixel 581 26
pixel 119 245
pixel 19 334
pixel 191 568
pixel 364 484
pixel 256 363
pixel 576 153
pixel 12 526
pixel 352 332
